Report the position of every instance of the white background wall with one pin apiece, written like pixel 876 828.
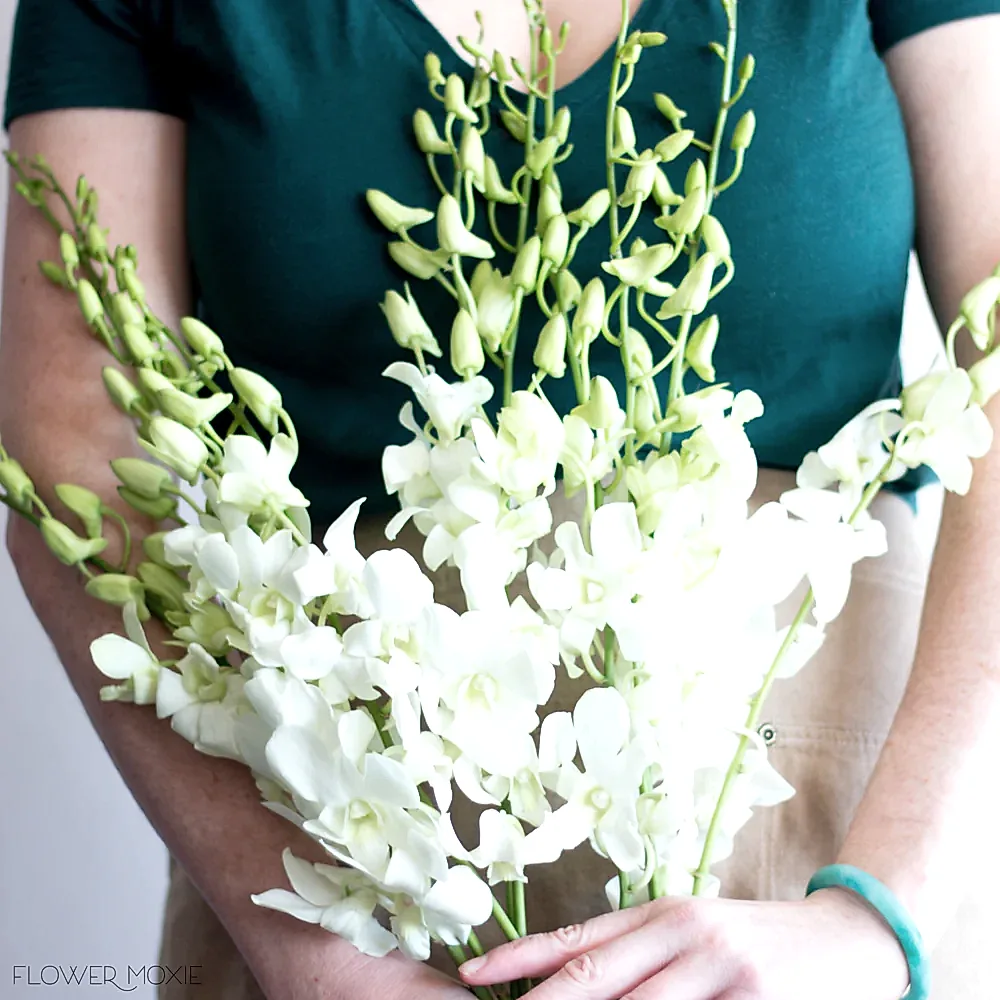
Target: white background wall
pixel 82 874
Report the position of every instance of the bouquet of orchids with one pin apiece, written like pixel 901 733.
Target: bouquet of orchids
pixel 362 707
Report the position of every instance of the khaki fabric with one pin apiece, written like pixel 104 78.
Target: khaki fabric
pixel 831 721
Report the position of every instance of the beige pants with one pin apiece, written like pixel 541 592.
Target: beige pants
pixel 831 721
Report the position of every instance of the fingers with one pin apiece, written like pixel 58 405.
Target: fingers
pixel 694 976
pixel 543 954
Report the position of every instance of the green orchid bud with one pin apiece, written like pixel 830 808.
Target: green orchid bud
pixel 432 69
pixel 141 477
pixel 472 156
pixel 90 302
pixel 670 148
pixel 560 125
pixel 985 377
pixel 421 263
pixel 637 269
pixel 454 237
pixel 669 110
pixel 747 68
pixel 716 240
pixel 408 326
pixel 640 180
pixel 202 339
pixel 164 583
pixel 124 310
pixel 263 398
pixel 425 131
pixel 154 382
pixel 692 293
pixel 137 342
pixel 394 216
pixel 500 69
pixel 978 310
pixel 86 504
pixel 159 509
pixel 651 39
pixel 516 124
pixel 177 446
pixel 119 589
pixel 66 545
pixel 132 285
pixel 68 251
pixel 482 275
pixel 555 243
pixel 494 308
pixel 525 272
pixel 638 355
pixel 659 288
pixel 744 132
pixel 645 414
pixel 630 54
pixel 122 391
pixel 54 273
pixel 624 133
pixel 193 411
pixel 16 483
pixel 601 411
pixel 568 290
pixel 467 358
pixel 545 41
pixel 549 206
pixel 592 210
pixel 697 177
pixel 493 186
pixel 663 193
pixel 589 316
pixel 687 216
pixel 454 99
pixel 550 351
pixel 96 242
pixel 480 92
pixel 541 155
pixel 154 547
pixel 700 345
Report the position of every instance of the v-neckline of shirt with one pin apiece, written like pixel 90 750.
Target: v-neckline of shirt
pixel 594 79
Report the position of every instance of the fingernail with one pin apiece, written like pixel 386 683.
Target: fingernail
pixel 472 966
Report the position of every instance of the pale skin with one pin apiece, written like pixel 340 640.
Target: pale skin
pixel 923 808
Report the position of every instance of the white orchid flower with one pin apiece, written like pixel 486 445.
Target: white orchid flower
pixel 340 900
pixel 587 455
pixel 255 479
pixel 448 405
pixel 945 429
pixel 830 547
pixel 129 660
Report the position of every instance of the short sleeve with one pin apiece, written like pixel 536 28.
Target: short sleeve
pixel 89 54
pixel 895 20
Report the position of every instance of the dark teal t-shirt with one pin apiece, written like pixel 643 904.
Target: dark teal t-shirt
pixel 293 109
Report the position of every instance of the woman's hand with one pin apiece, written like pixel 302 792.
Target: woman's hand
pixel 826 947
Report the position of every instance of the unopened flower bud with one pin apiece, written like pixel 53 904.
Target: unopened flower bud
pixel 550 351
pixel 640 180
pixel 454 237
pixel 454 99
pixel 978 309
pixel 560 125
pixel 154 382
pixel 516 124
pixel 119 589
pixel 592 210
pixel 16 483
pixel 262 397
pixel 700 345
pixel 421 263
pixel 432 69
pixel 132 284
pixel 651 39
pixel 645 414
pixel 66 545
pixel 624 133
pixel 176 446
pixel 663 193
pixel 500 68
pixel 493 186
pixel 124 310
pixel 96 242
pixel 568 290
pixel 467 358
pixel 394 216
pixel 122 391
pixel 154 547
pixel 631 53
pixel 638 356
pixel 601 411
pixel 747 68
pixel 744 131
pixel 193 411
pixel 86 504
pixel 985 377
pixel 137 342
pixel 142 477
pixel 482 275
pixel 164 583
pixel 54 273
pixel 425 131
pixel 697 177
pixel 408 326
pixel 692 293
pixel 525 272
pixel 90 302
pixel 669 110
pixel 541 155
pixel 589 316
pixel 68 251
pixel 687 217
pixel 688 412
pixel 549 206
pixel 670 148
pixel 480 91
pixel 159 509
pixel 716 240
pixel 636 270
pixel 555 243
pixel 472 156
pixel 202 339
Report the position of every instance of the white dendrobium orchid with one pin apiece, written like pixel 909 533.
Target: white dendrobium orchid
pixel 340 900
pixel 587 455
pixel 129 660
pixel 256 480
pixel 449 405
pixel 945 429
pixel 830 547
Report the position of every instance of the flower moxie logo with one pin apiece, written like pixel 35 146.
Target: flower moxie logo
pixel 106 975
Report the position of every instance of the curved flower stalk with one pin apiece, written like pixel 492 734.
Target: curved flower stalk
pixel 366 710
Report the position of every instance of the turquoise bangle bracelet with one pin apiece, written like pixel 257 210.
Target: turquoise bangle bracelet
pixel 881 898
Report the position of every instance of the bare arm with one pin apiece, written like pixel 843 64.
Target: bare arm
pixel 924 808
pixel 56 419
